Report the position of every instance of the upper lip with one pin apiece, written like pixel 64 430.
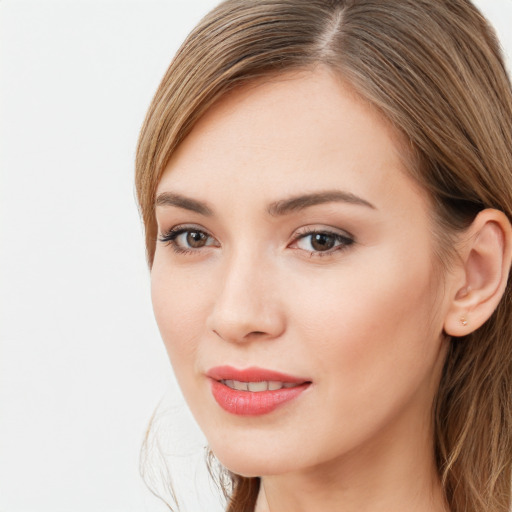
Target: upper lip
pixel 251 374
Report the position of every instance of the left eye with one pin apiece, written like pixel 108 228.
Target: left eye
pixel 322 241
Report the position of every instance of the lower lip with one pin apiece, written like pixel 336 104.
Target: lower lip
pixel 249 403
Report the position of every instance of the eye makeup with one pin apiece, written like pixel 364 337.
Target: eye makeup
pixel 186 239
pixel 316 241
pixel 320 242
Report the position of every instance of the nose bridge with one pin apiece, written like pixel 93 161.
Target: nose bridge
pixel 246 305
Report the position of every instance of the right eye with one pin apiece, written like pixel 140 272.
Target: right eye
pixel 188 239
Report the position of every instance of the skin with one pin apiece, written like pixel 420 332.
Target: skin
pixel 362 321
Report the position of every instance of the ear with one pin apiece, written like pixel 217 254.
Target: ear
pixel 481 277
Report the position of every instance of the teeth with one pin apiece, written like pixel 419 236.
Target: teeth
pixel 257 387
pixel 240 386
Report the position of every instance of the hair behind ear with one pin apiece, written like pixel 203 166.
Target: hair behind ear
pixel 473 401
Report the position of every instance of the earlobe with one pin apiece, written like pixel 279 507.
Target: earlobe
pixel 485 259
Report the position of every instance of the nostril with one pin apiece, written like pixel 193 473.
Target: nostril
pixel 247 336
pixel 234 324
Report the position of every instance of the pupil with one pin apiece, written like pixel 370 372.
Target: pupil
pixel 322 242
pixel 196 239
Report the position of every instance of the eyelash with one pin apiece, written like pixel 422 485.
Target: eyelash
pixel 170 237
pixel 343 240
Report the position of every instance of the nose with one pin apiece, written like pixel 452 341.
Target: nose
pixel 247 306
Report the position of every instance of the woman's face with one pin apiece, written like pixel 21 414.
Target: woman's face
pixel 296 264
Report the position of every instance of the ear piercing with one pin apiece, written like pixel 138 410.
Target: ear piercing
pixel 463 321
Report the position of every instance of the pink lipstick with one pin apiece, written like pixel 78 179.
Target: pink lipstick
pixel 253 391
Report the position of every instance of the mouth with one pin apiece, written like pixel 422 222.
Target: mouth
pixel 253 391
pixel 258 387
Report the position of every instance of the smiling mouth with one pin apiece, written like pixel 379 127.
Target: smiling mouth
pixel 254 391
pixel 258 387
pixel 255 398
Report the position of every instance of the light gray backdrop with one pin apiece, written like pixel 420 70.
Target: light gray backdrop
pixel 81 364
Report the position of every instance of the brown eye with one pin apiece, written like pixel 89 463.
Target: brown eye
pixel 322 241
pixel 196 239
pixel 183 239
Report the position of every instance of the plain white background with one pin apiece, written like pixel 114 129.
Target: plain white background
pixel 82 366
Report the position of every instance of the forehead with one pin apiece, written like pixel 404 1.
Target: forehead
pixel 295 132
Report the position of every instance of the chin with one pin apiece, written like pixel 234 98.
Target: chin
pixel 253 462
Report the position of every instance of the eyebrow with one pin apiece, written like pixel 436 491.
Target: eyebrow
pixel 301 202
pixel 277 208
pixel 186 203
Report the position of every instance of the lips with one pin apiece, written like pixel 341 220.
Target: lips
pixel 253 391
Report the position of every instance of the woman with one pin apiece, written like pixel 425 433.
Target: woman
pixel 326 191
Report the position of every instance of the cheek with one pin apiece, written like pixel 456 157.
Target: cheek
pixel 178 304
pixel 363 321
pixel 373 345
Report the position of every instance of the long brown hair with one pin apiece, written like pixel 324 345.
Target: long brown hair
pixel 434 69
